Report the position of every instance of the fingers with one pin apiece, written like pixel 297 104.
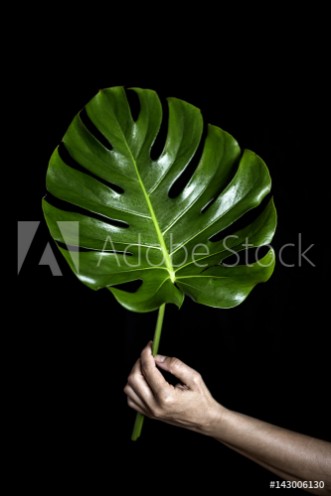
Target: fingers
pixel 133 397
pixel 146 386
pixel 137 389
pixel 135 402
pixel 148 391
pixel 152 375
pixel 179 369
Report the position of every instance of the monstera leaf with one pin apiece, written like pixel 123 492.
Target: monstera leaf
pixel 131 229
pixel 168 223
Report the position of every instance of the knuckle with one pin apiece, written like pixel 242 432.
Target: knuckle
pixel 165 399
pixel 155 411
pixel 196 378
pixel 174 364
pixel 145 368
pixel 162 406
pixel 131 380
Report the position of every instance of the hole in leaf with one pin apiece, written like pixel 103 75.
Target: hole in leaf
pixel 179 184
pixel 229 178
pixel 129 287
pixel 244 221
pixel 69 207
pixel 113 186
pixel 161 138
pixel 94 130
pixel 208 204
pixel 117 252
pixel 81 249
pixel 72 248
pixel 71 162
pixel 134 103
pixel 67 158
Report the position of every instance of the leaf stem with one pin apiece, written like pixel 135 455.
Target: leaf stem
pixel 158 330
pixel 139 422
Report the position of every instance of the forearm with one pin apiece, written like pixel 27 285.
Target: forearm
pixel 288 454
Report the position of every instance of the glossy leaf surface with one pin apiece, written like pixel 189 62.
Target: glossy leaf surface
pixel 141 220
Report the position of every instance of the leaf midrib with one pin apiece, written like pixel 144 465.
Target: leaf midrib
pixel 150 207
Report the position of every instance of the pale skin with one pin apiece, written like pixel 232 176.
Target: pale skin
pixel 290 455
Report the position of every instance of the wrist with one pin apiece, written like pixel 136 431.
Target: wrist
pixel 216 420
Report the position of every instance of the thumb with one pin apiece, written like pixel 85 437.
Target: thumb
pixel 179 369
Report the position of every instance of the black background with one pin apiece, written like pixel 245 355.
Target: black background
pixel 74 348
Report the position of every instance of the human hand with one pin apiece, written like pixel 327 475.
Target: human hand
pixel 189 404
pixel 288 454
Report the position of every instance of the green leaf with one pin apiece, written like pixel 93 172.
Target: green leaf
pixel 131 229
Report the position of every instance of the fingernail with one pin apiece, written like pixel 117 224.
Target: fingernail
pixel 159 358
